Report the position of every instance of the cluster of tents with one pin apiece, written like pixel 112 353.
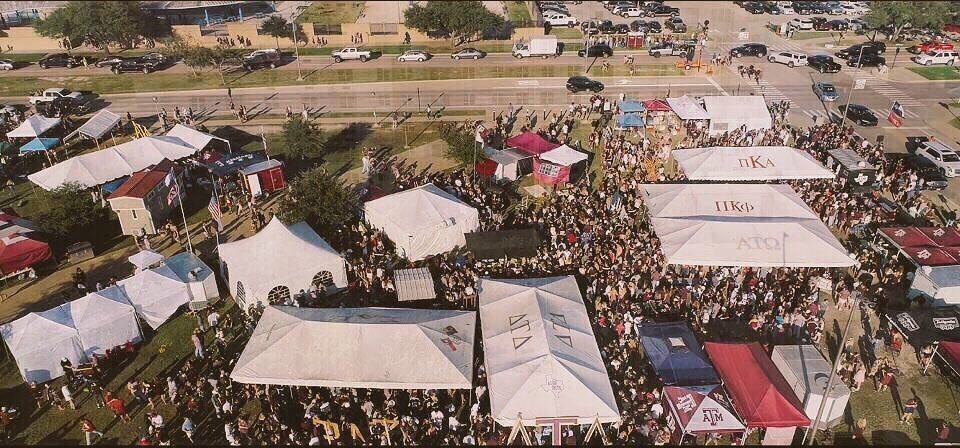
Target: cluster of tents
pixel 720 113
pixel 934 251
pixel 529 153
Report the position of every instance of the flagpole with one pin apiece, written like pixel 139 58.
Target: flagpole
pixel 183 212
pixel 216 197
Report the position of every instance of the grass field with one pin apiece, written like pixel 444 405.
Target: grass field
pixel 517 11
pixel 331 13
pixel 936 73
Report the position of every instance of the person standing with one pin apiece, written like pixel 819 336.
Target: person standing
pixel 89 430
pixel 188 428
pixel 908 409
pixel 68 396
pixel 197 344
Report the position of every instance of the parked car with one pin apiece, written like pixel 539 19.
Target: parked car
pixel 801 23
pixel 751 49
pixel 859 114
pixel 675 24
pixel 646 26
pixel 837 25
pixel 110 61
pixel 772 8
pixel 633 11
pixel 7 64
pixel 668 49
pixel 659 9
pixel 596 51
pixel 560 19
pixel 945 57
pixel 866 60
pixel 825 91
pixel 621 28
pixel 414 55
pixel 823 63
pixel 59 60
pixel 269 57
pixel 819 23
pixel 929 45
pixel 468 53
pixel 580 83
pixel 858 25
pixel 927 171
pixel 141 64
pixel 868 47
pixel 790 58
pixel 944 157
pixel 754 8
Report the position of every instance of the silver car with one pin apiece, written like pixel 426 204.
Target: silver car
pixel 414 55
pixel 825 91
pixel 6 64
pixel 468 53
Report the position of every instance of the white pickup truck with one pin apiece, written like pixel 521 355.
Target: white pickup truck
pixel 55 93
pixel 351 53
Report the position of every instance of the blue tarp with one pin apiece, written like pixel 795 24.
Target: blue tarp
pixel 39 144
pixel 110 187
pixel 676 355
pixel 629 121
pixel 628 106
pixel 235 162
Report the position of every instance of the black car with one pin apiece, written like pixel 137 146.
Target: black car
pixel 866 60
pixel 621 28
pixel 860 114
pixel 110 61
pixel 580 83
pixel 262 58
pixel 803 8
pixel 754 8
pixel 142 64
pixel 596 51
pixel 823 64
pixel 868 47
pixel 819 23
pixel 927 171
pixel 676 25
pixel 837 25
pixel 659 9
pixel 753 49
pixel 59 60
pixel 605 27
pixel 649 27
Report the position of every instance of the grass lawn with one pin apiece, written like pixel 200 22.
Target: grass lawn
pixel 936 73
pixel 804 35
pixel 331 13
pixel 129 83
pixel 517 11
pixel 566 32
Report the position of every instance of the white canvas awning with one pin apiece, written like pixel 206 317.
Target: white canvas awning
pixel 563 155
pixel 280 256
pixel 34 126
pixel 381 348
pixel 687 108
pixel 941 284
pixel 144 259
pixel 38 341
pixel 192 137
pixel 541 355
pixel 104 319
pixel 740 225
pixel 414 284
pixel 749 163
pixel 156 294
pixel 423 221
pixel 506 162
pixel 98 125
pixel 728 113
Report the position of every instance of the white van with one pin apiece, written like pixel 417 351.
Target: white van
pixel 937 57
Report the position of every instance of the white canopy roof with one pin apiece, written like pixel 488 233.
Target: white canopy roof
pixel 541 355
pixel 563 155
pixel 382 348
pixel 749 163
pixel 687 108
pixel 280 255
pixel 423 221
pixel 730 112
pixel 34 126
pixel 98 125
pixel 193 137
pixel 104 319
pixel 97 168
pixel 38 341
pixel 740 225
pixel 156 294
pixel 144 259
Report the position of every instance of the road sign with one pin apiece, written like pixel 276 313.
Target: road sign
pixel 859 84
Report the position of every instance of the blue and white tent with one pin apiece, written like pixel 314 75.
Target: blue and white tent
pixel 676 354
pixel 39 144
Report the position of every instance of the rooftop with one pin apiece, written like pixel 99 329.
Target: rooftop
pixel 142 182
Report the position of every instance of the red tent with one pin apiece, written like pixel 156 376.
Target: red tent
pixel 907 237
pixel 19 252
pixel 942 236
pixel 950 352
pixel 759 393
pixel 929 256
pixel 530 143
pixel 656 106
pixel 486 167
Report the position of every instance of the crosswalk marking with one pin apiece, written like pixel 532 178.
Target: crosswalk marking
pixel 770 92
pixel 883 87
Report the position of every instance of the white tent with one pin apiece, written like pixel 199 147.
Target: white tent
pixel 34 126
pixel 740 225
pixel 382 348
pixel 198 277
pixel 563 155
pixel 507 162
pixel 38 341
pixel 541 355
pixel 144 259
pixel 280 256
pixel 99 167
pixel 939 283
pixel 687 108
pixel 750 163
pixel 193 137
pixel 728 113
pixel 807 372
pixel 156 294
pixel 423 221
pixel 98 125
pixel 104 319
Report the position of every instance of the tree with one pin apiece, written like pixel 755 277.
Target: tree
pixel 277 27
pixel 302 137
pixel 220 58
pixel 319 199
pixel 194 56
pixel 101 24
pixel 461 145
pixel 460 22
pixel 897 15
pixel 63 211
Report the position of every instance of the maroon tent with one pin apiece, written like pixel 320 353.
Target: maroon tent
pixel 759 393
pixel 18 252
pixel 657 106
pixel 942 236
pixel 929 256
pixel 950 352
pixel 906 237
pixel 530 143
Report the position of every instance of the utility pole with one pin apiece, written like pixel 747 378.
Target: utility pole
pixel 853 86
pixel 296 50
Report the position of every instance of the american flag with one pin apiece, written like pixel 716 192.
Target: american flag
pixel 214 208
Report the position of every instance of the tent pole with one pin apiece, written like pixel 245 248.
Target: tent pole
pixel 936 351
pixel 833 376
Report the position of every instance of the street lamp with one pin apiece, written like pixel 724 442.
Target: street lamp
pixel 853 86
pixel 296 50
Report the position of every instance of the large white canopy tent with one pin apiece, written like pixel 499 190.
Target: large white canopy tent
pixel 104 319
pixel 98 125
pixel 34 126
pixel 687 108
pixel 381 348
pixel 540 352
pixel 156 294
pixel 38 341
pixel 277 257
pixel 193 137
pixel 740 225
pixel 99 167
pixel 728 113
pixel 423 221
pixel 563 155
pixel 749 163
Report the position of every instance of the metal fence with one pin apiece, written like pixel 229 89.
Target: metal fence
pixel 383 29
pixel 320 29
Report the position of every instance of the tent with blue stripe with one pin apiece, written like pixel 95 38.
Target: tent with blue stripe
pixel 625 121
pixel 39 144
pixel 631 106
pixel 676 355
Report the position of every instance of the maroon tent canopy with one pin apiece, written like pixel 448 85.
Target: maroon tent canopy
pixel 942 236
pixel 950 351
pixel 759 393
pixel 930 256
pixel 530 143
pixel 656 106
pixel 906 237
pixel 19 252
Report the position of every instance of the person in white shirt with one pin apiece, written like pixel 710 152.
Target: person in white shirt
pixel 213 319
